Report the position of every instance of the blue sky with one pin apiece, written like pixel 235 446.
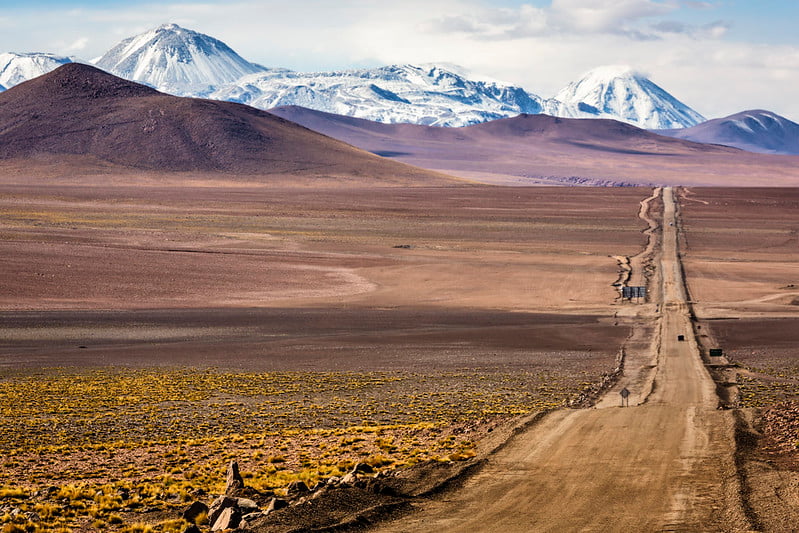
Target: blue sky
pixel 718 56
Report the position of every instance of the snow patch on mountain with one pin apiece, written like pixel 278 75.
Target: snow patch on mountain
pixel 421 94
pixel 177 61
pixel 620 92
pixel 16 68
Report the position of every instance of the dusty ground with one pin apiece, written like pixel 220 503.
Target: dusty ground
pixel 741 262
pixel 424 317
pixel 664 463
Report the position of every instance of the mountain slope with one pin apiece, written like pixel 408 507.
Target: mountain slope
pixel 16 68
pixel 621 93
pixel 177 61
pixel 540 149
pixel 427 94
pixel 754 131
pixel 79 110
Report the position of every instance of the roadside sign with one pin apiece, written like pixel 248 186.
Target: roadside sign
pixel 625 394
pixel 633 292
pixel 716 352
pixel 627 292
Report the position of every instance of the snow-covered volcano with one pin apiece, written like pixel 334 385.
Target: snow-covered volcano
pixel 177 61
pixel 418 94
pixel 16 68
pixel 621 93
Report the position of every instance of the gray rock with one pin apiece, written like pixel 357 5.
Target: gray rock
pixel 297 487
pixel 230 518
pixel 246 505
pixel 276 504
pixel 362 468
pixel 219 505
pixel 234 481
pixel 194 511
pixel 349 479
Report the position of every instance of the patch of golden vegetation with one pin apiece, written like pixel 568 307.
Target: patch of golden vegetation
pixel 108 449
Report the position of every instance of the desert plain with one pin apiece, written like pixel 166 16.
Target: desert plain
pixel 152 332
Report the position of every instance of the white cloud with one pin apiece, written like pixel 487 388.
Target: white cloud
pixel 605 16
pixel 78 45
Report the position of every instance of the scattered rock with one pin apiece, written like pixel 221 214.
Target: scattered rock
pixel 230 518
pixel 321 492
pixel 219 505
pixel 349 479
pixel 276 504
pixel 362 468
pixel 194 511
pixel 297 487
pixel 246 505
pixel 234 480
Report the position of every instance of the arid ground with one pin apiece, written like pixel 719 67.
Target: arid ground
pixel 296 330
pixel 152 333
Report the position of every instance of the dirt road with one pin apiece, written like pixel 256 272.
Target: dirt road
pixel 663 464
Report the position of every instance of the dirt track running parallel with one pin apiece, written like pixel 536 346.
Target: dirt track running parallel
pixel 666 463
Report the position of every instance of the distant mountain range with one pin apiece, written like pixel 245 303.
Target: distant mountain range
pixel 545 150
pixel 753 131
pixel 183 62
pixel 87 115
pixel 79 120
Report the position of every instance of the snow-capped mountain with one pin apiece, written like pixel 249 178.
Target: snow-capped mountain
pixel 184 62
pixel 621 93
pixel 753 131
pixel 16 68
pixel 177 61
pixel 423 94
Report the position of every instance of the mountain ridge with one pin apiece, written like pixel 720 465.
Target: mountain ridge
pixel 545 150
pixel 756 130
pixel 79 111
pixel 184 62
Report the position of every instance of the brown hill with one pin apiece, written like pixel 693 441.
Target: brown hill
pixel 540 149
pixel 83 114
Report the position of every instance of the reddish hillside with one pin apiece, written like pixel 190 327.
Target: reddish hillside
pixel 540 149
pixel 78 110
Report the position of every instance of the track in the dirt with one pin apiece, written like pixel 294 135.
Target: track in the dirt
pixel 665 464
